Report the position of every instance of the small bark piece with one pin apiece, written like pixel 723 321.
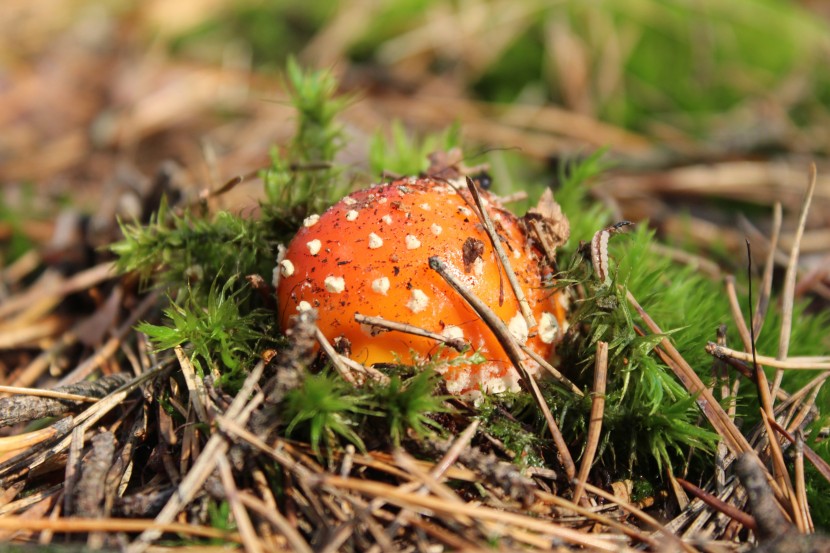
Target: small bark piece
pixel 17 409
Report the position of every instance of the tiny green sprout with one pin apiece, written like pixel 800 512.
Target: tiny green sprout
pixel 325 406
pixel 303 177
pixel 408 403
pixel 219 513
pixel 209 327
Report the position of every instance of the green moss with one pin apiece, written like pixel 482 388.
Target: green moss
pixel 406 404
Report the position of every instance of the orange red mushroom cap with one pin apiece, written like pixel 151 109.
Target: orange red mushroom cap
pixel 369 254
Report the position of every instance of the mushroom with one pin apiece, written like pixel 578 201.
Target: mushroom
pixel 369 253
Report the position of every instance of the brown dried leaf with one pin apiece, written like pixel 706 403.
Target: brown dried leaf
pixel 547 224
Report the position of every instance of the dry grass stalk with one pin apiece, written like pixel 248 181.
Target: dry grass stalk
pixel 52 394
pixel 792 363
pixel 603 522
pixel 369 372
pixel 243 522
pixel 30 335
pixel 240 409
pixel 35 369
pixel 595 421
pixel 561 378
pixel 703 264
pixel 73 468
pixel 779 470
pixel 21 267
pixel 718 504
pixel 434 505
pixel 105 352
pixel 82 525
pixel 717 417
pixel 336 359
pixel 55 291
pixel 33 458
pixel 801 485
pixel 821 465
pixel 788 292
pixel 487 222
pixel 436 473
pixel 307 499
pixel 42 499
pixel 11 444
pixel 273 515
pixel 807 411
pixel 431 483
pixel 737 315
pixel 642 515
pixel 813 284
pixel 195 386
pixel 719 372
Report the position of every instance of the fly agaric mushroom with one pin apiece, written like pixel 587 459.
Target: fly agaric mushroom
pixel 368 254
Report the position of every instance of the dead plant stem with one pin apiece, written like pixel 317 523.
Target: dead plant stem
pixel 788 291
pixel 595 420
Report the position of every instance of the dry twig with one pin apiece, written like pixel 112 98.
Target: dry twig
pixel 484 215
pixel 383 325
